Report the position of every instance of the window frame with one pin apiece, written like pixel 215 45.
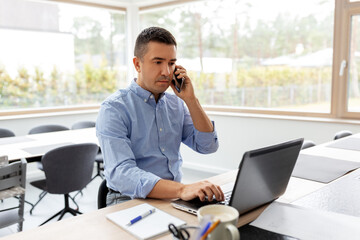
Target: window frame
pixel 347 9
pixel 343 11
pixel 65 109
pixel 335 104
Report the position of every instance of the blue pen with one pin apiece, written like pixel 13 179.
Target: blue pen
pixel 205 229
pixel 145 214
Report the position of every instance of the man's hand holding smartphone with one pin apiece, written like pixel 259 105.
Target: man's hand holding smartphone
pixel 182 86
pixel 186 92
pixel 178 82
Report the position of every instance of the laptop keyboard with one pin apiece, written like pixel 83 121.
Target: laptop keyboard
pixel 192 205
pixel 227 198
pixel 227 190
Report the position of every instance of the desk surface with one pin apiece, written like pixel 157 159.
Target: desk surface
pixel 94 225
pixel 38 144
pixel 325 150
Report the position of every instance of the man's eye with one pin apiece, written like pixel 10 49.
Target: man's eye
pixel 157 62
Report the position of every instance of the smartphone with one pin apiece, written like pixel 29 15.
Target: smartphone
pixel 177 82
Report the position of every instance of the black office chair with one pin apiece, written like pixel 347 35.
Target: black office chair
pixel 6 133
pixel 102 193
pixel 99 165
pixel 67 169
pixel 43 129
pixel 83 124
pixel 47 128
pixel 341 134
pixel 99 158
pixel 307 144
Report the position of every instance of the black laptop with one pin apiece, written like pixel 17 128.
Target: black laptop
pixel 262 177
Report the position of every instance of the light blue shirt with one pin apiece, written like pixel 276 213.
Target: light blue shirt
pixel 140 139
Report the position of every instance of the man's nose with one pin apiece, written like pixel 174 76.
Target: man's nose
pixel 166 70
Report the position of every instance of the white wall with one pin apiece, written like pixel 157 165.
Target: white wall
pixel 237 133
pixel 244 132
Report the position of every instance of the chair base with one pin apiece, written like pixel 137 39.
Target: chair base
pixel 42 195
pixel 66 209
pixel 98 174
pixel 99 169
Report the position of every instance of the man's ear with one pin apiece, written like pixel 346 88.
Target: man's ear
pixel 136 62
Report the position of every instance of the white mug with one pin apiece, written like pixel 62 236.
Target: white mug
pixel 228 216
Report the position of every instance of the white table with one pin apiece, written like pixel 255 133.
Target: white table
pixel 38 144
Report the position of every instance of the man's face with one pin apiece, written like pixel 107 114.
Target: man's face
pixel 155 70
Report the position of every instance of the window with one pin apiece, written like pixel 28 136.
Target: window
pixel 55 55
pixel 353 92
pixel 242 54
pixel 278 57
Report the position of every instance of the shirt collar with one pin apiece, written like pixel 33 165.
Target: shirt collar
pixel 142 93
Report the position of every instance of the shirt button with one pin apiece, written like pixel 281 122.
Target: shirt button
pixel 145 100
pixel 151 96
pixel 160 129
pixel 163 149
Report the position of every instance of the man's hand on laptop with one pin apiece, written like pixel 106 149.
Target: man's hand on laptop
pixel 202 190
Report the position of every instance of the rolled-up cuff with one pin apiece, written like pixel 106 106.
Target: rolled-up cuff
pixel 145 186
pixel 206 138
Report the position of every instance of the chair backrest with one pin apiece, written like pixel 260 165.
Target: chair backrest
pixel 83 124
pixel 13 175
pixel 69 168
pixel 341 134
pixel 307 144
pixel 48 128
pixel 102 193
pixel 6 133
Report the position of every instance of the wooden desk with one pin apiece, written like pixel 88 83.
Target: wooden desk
pixel 94 225
pixel 20 147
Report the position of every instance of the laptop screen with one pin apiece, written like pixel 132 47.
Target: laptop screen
pixel 264 175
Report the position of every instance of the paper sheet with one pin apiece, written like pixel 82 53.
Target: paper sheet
pixel 306 224
pixel 349 143
pixel 152 226
pixel 322 169
pixel 45 148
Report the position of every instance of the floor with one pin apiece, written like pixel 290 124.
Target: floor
pixel 51 203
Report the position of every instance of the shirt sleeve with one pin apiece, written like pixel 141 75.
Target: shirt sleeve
pixel 121 171
pixel 201 142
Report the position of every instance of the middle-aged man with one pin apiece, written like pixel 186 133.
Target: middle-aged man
pixel 140 128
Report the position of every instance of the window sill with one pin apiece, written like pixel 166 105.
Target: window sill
pixel 284 117
pixel 51 112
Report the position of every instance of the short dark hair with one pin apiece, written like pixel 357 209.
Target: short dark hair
pixel 152 34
